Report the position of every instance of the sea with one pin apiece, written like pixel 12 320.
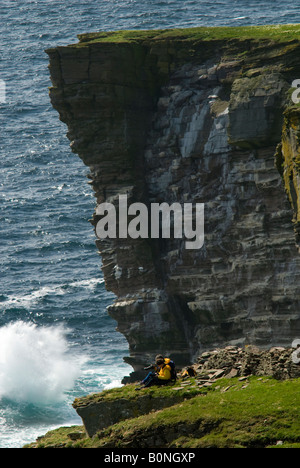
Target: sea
pixel 57 341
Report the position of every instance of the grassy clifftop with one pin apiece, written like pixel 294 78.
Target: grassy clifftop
pixel 168 48
pixel 275 32
pixel 253 412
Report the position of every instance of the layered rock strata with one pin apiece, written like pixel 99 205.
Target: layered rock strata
pixel 288 162
pixel 186 121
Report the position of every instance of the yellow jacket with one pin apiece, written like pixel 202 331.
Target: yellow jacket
pixel 165 371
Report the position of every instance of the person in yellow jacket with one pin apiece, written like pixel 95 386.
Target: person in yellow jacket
pixel 163 369
pixel 162 373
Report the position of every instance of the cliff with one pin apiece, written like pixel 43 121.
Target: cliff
pixel 198 115
pixel 102 410
pixel 237 398
pixel 253 413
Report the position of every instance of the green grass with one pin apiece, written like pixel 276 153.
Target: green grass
pixel 274 32
pixel 129 392
pixel 257 413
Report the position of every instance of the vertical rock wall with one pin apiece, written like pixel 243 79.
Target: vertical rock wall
pixel 288 162
pixel 164 121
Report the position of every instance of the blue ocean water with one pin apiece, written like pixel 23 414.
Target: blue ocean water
pixel 56 339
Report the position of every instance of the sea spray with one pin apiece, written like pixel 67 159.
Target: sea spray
pixel 27 300
pixel 35 365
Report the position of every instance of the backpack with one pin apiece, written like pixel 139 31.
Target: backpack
pixel 173 370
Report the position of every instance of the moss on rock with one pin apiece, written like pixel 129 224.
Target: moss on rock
pixel 289 157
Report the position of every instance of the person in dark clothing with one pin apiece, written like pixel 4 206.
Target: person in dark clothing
pixel 161 374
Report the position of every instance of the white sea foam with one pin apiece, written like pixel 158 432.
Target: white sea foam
pixel 29 299
pixel 113 384
pixel 35 363
pixel 33 297
pixel 90 283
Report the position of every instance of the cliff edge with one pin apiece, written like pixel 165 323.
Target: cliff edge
pixel 199 115
pixel 234 398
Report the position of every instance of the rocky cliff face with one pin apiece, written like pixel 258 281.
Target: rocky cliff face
pixel 172 118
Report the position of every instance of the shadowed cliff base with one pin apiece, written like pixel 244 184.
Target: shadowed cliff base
pixel 199 115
